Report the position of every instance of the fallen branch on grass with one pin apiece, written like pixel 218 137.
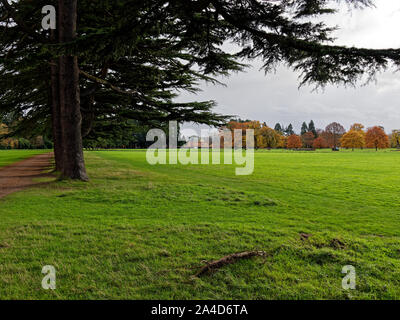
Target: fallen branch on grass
pixel 229 259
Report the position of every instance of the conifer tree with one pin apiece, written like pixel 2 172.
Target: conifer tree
pixel 278 128
pixel 304 128
pixel 311 128
pixel 289 130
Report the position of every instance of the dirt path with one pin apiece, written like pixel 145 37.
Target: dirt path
pixel 20 175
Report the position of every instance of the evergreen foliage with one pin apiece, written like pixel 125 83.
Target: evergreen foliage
pixel 311 128
pixel 304 128
pixel 289 130
pixel 278 127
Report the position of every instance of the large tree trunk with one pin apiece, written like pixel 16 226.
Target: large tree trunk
pixel 55 112
pixel 71 118
pixel 56 121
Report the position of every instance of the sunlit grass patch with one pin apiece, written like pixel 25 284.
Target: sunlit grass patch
pixel 10 156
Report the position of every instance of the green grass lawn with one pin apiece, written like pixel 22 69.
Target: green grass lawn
pixel 10 156
pixel 137 231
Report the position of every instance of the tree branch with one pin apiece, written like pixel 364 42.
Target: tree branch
pixel 20 23
pixel 108 84
pixel 5 17
pixel 308 46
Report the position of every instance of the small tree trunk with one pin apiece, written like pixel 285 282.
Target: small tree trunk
pixel 71 118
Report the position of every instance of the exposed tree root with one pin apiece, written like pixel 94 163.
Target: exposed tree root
pixel 229 259
pixel 305 236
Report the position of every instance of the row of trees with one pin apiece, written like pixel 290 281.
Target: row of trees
pixel 333 136
pixel 106 135
pixel 133 135
pixel 39 142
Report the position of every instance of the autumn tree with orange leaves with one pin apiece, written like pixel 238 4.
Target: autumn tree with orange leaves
pixel 6 143
pixel 320 143
pixel 243 126
pixel 353 139
pixel 395 139
pixel 376 138
pixel 357 127
pixel 267 138
pixel 294 142
pixel 282 143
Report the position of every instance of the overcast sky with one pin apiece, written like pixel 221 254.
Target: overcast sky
pixel 275 97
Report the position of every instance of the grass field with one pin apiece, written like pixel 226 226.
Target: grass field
pixel 137 231
pixel 10 156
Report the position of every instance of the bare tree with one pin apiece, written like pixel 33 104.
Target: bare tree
pixel 335 130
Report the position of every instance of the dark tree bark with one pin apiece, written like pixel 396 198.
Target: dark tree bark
pixel 55 112
pixel 88 115
pixel 56 121
pixel 71 118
